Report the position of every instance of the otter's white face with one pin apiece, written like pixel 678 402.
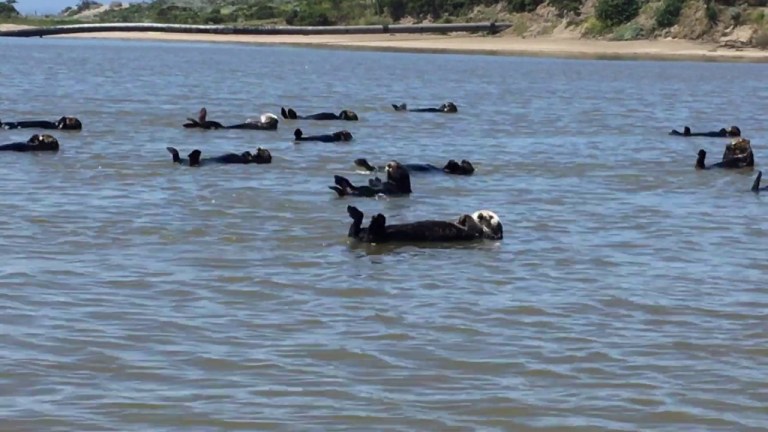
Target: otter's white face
pixel 491 223
pixel 390 166
pixel 268 117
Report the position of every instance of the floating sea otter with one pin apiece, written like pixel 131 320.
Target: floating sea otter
pixel 452 167
pixel 262 156
pixel 398 183
pixel 482 224
pixel 342 135
pixel 290 114
pixel 64 123
pixel 448 107
pixel 732 131
pixel 738 154
pixel 267 121
pixel 35 143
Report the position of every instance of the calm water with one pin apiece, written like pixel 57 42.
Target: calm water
pixel 628 295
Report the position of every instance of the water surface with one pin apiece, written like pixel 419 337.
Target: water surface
pixel 629 292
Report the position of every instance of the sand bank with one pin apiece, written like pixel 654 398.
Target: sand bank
pixel 566 47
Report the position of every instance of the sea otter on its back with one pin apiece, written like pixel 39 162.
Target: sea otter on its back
pixel 35 143
pixel 482 224
pixel 63 123
pixel 464 167
pixel 398 184
pixel 448 107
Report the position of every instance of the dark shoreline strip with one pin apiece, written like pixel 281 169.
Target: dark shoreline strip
pixel 255 30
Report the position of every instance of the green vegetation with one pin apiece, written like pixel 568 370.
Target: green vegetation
pixel 668 13
pixel 8 10
pixel 616 12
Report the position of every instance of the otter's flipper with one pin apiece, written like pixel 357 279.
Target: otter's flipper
pixel 401 107
pixel 292 114
pixel 355 213
pixel 284 113
pixel 343 182
pixel 192 123
pixel 756 184
pixel 175 154
pixel 357 221
pixel 194 157
pixel 341 192
pixel 297 134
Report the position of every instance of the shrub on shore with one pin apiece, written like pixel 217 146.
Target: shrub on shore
pixel 668 13
pixel 8 10
pixel 616 12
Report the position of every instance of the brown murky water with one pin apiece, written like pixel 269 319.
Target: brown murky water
pixel 628 295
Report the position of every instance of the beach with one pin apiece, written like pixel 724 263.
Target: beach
pixel 564 46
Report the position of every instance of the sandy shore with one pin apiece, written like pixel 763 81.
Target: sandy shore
pixel 566 47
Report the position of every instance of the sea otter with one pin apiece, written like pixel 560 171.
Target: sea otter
pixel 398 183
pixel 342 135
pixel 738 154
pixel 482 224
pixel 290 114
pixel 267 121
pixel 448 107
pixel 35 143
pixel 732 132
pixel 202 121
pixel 64 123
pixel 262 156
pixel 452 167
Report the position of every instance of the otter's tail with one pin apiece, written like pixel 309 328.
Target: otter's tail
pixel 297 134
pixel 194 157
pixel 401 107
pixel 175 154
pixel 756 184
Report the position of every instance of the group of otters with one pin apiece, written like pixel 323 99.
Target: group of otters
pixel 482 224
